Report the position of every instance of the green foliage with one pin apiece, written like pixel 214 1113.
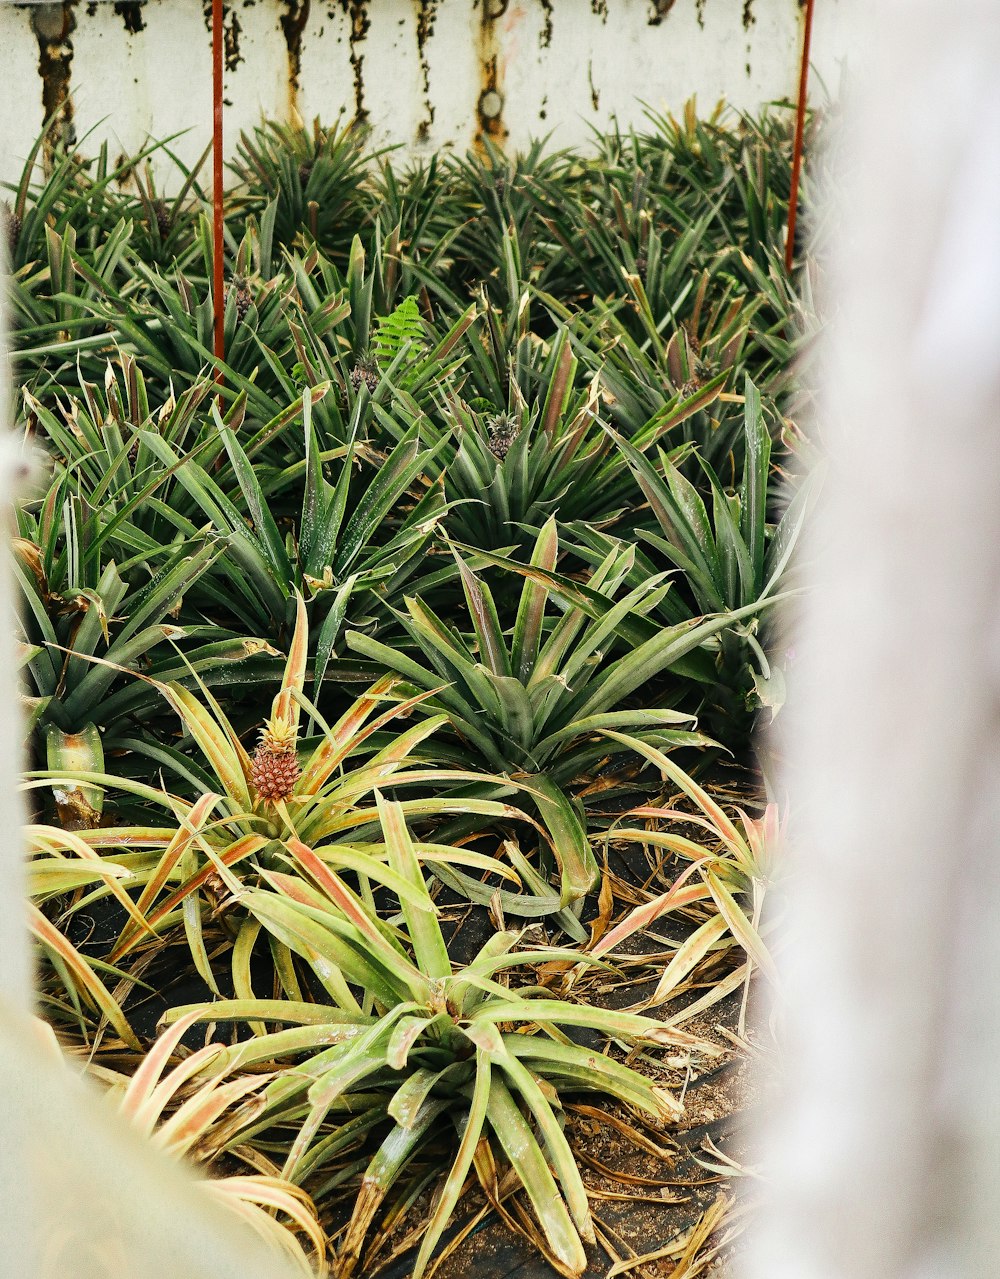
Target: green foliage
pixel 99 605
pixel 730 556
pixel 501 455
pixel 535 704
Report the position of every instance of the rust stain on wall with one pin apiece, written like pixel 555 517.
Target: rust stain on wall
pixel 231 32
pixel 231 43
pixel 357 11
pixel 53 26
pixel 749 20
pixel 491 101
pixel 546 39
pixel 426 13
pixel 293 22
pixel 130 12
pixel 660 10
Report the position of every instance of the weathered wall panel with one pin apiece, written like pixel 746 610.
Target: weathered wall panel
pixel 21 109
pixel 421 73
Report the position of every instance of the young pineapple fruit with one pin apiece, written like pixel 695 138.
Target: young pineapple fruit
pixel 161 215
pixel 503 430
pixel 698 371
pixel 365 370
pixel 242 297
pixel 275 764
pixel 13 226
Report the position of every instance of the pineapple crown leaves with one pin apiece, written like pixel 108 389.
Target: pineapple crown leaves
pixel 278 735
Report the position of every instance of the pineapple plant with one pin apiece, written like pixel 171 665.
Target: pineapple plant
pixel 518 452
pixel 278 162
pixel 98 623
pixel 547 702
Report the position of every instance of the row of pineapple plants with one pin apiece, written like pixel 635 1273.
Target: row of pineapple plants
pixel 480 522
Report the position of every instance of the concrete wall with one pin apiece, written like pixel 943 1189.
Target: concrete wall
pixel 422 73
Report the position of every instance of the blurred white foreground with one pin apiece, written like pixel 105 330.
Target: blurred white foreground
pixel 884 1158
pixel 84 1197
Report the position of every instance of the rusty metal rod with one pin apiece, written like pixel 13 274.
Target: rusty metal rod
pixel 800 125
pixel 218 294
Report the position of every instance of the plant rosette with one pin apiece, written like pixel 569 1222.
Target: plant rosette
pixel 413 1043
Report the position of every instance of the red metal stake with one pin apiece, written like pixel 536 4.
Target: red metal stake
pixel 218 292
pixel 800 124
